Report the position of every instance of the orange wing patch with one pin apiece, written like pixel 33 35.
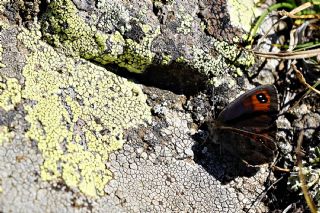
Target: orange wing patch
pixel 257 105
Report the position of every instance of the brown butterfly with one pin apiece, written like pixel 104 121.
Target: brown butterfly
pixel 243 127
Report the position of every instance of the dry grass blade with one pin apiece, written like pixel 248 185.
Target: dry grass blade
pixel 286 14
pixel 304 6
pixel 301 7
pixel 289 55
pixel 303 80
pixel 302 178
pixel 311 16
pixel 305 94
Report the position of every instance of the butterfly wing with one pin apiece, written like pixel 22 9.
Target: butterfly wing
pixel 251 147
pixel 255 108
pixel 241 124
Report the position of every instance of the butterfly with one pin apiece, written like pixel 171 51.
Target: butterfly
pixel 243 127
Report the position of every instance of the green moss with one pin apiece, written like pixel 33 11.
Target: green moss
pixel 79 115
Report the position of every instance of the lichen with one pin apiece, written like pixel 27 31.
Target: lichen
pixel 186 23
pixel 215 65
pixel 242 13
pixel 166 59
pixel 5 135
pixel 77 38
pixel 2 5
pixel 10 93
pixel 234 54
pixel 114 14
pixel 78 114
pixel 71 32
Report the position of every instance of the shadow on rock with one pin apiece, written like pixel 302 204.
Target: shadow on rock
pixel 220 163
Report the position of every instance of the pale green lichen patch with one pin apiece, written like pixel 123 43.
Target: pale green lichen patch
pixel 234 54
pixel 78 115
pixel 3 4
pixel 242 13
pixel 75 37
pixel 10 93
pixel 5 135
pixel 71 32
pixel 114 13
pixel 186 23
pixel 212 65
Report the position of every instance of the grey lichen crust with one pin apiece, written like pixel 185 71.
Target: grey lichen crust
pixel 75 137
pixel 166 174
pixel 140 34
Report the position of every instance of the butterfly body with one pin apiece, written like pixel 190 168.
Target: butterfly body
pixel 244 125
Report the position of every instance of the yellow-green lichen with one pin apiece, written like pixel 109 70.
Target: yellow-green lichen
pixel 113 14
pixel 234 53
pixel 208 64
pixel 3 4
pixel 5 135
pixel 10 93
pixel 166 59
pixel 186 24
pixel 78 115
pixel 136 57
pixel 75 37
pixel 71 33
pixel 239 72
pixel 242 13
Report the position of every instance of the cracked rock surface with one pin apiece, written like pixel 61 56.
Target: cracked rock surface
pixel 79 135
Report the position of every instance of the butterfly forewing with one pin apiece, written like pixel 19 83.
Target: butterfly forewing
pixel 243 126
pixel 256 108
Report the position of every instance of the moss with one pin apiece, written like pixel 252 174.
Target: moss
pixel 80 113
